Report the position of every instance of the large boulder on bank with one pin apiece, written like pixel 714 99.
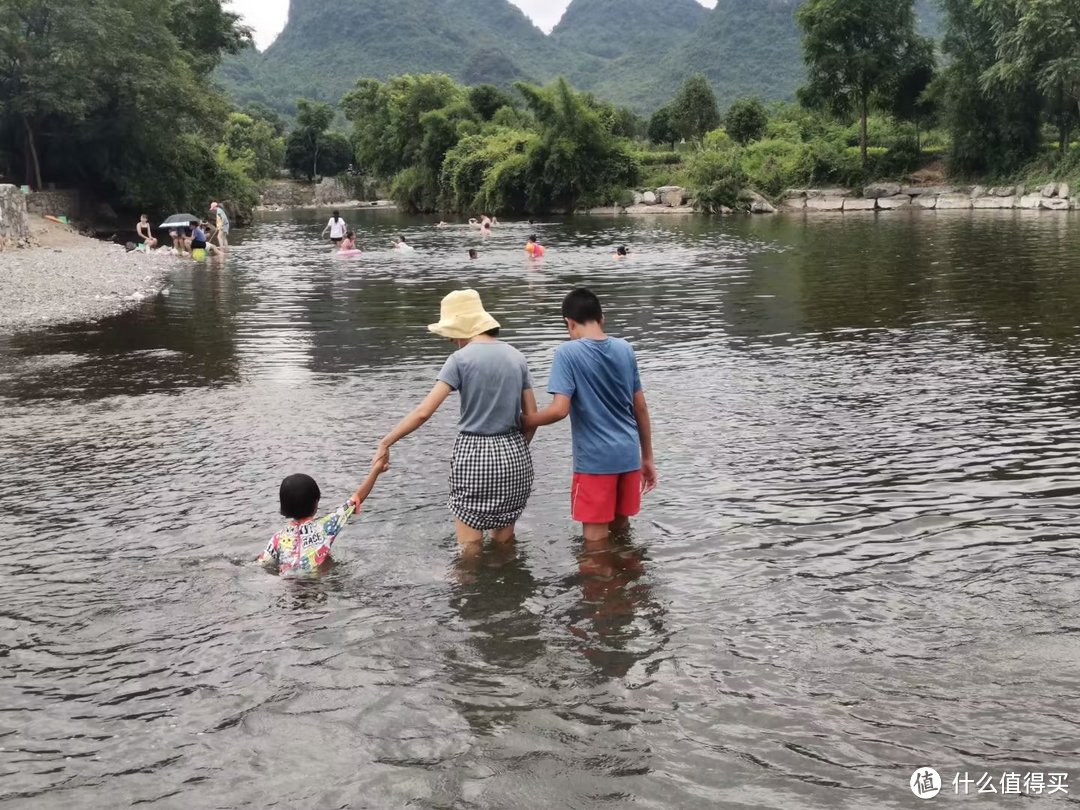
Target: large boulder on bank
pixel 1029 202
pixel 1054 204
pixel 927 201
pixel 1004 191
pixel 14 222
pixel 1050 190
pixel 639 198
pixel 649 198
pixel 878 190
pixel 793 204
pixel 671 196
pixel 1063 190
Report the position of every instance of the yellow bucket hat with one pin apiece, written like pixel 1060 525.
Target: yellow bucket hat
pixel 463 317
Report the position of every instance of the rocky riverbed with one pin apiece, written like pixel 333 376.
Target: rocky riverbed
pixel 70 278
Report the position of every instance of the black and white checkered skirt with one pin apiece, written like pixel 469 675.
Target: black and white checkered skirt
pixel 491 478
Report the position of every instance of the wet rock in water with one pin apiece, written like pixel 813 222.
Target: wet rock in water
pixel 956 202
pixel 994 202
pixel 825 203
pixel 894 203
pixel 1054 204
pixel 857 204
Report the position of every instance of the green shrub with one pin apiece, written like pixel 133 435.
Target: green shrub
pixel 717 179
pixel 659 158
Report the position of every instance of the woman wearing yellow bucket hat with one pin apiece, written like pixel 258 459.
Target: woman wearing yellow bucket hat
pixel 491 470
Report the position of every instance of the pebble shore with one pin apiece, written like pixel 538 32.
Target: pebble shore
pixel 49 286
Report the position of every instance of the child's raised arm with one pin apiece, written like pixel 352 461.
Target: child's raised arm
pixel 378 467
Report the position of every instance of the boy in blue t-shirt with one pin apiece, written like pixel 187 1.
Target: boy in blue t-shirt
pixel 595 381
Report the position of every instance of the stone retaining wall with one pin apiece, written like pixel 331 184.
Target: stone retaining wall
pixel 14 223
pixel 54 203
pixel 893 196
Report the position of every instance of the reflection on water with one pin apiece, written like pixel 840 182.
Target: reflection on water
pixel 861 559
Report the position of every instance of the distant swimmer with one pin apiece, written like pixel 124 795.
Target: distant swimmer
pixel 348 243
pixel 403 246
pixel 534 249
pixel 337 228
pixel 443 225
pixel 474 254
pixel 621 252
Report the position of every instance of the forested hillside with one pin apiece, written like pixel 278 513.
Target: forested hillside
pixel 631 52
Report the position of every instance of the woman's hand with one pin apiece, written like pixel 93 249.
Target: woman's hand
pixel 381 459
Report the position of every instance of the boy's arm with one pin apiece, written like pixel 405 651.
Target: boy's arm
pixel 528 408
pixel 558 410
pixel 644 423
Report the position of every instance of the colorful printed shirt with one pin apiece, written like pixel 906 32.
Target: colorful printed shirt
pixel 300 548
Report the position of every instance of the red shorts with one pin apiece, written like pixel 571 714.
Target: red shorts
pixel 600 498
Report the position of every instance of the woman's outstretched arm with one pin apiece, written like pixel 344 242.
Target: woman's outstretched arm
pixel 414 421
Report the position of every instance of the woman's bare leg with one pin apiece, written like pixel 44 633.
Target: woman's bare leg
pixel 505 534
pixel 466 535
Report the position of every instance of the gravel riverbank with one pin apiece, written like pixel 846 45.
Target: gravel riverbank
pixel 71 278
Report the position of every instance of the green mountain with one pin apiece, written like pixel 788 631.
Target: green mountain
pixel 616 28
pixel 327 45
pixel 631 52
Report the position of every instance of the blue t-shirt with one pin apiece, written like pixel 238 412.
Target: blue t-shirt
pixel 601 378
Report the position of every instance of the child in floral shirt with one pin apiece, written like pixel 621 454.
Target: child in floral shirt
pixel 303 545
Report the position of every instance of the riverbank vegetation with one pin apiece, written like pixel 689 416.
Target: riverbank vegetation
pixel 997 98
pixel 116 96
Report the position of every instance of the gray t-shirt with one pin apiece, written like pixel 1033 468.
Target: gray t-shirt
pixel 490 378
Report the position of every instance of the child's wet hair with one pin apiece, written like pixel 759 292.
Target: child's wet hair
pixel 300 496
pixel 582 306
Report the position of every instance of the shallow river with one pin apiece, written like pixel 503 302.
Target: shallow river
pixel 861 559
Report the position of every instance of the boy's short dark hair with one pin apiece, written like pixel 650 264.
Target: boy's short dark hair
pixel 300 496
pixel 493 332
pixel 582 306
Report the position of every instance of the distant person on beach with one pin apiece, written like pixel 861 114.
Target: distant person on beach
pixel 534 249
pixel 474 254
pixel 181 245
pixel 221 224
pixel 595 381
pixel 491 469
pixel 621 253
pixel 336 227
pixel 144 234
pixel 304 545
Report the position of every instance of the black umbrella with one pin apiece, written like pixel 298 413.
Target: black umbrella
pixel 179 221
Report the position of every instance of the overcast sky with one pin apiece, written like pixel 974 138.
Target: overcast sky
pixel 267 17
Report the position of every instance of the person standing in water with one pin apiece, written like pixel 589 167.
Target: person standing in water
pixel 336 227
pixel 595 381
pixel 491 469
pixel 221 224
